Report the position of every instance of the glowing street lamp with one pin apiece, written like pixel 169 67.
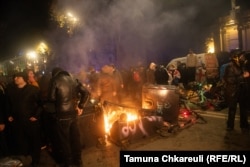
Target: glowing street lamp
pixel 31 59
pixel 31 55
pixel 66 20
pixel 43 51
pixel 42 48
pixel 72 22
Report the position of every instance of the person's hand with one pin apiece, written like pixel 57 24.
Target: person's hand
pixel 79 111
pixel 2 126
pixel 246 74
pixel 33 119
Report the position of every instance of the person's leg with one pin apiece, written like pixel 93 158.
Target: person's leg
pixel 76 149
pixel 232 106
pixel 3 145
pixel 63 143
pixel 34 138
pixel 243 114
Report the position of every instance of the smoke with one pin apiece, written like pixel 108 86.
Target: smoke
pixel 125 32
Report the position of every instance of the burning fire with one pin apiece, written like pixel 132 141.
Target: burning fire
pixel 113 114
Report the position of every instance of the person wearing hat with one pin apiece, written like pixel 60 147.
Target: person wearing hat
pixel 23 112
pixel 235 79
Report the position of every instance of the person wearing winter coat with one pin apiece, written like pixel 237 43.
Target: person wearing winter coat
pixel 23 114
pixel 64 91
pixel 150 74
pixel 106 85
pixel 235 89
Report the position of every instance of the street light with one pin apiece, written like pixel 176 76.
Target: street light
pixel 71 21
pixel 66 20
pixel 31 55
pixel 42 48
pixel 32 60
pixel 43 51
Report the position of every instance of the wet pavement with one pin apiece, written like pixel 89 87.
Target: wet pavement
pixel 210 136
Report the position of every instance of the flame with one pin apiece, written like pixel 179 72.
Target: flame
pixel 114 114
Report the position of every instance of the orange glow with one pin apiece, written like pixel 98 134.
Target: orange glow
pixel 113 114
pixel 210 45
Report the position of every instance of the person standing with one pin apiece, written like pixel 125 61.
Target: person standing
pixel 191 66
pixel 137 79
pixel 32 77
pixel 181 67
pixel 106 85
pixel 23 113
pixel 150 74
pixel 235 91
pixel 64 92
pixel 118 81
pixel 245 64
pixel 92 79
pixel 161 75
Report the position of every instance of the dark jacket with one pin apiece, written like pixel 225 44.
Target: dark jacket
pixel 64 92
pixel 233 79
pixel 161 76
pixel 23 103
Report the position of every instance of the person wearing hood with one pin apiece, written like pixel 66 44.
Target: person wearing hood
pixel 64 92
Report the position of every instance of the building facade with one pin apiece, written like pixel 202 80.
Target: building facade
pixel 234 30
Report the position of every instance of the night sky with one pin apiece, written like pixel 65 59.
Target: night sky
pixel 159 29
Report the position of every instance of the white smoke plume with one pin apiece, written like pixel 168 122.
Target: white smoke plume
pixel 126 32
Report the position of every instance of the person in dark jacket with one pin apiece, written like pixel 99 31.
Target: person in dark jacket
pixel 235 80
pixel 23 113
pixel 150 73
pixel 245 64
pixel 161 75
pixel 63 92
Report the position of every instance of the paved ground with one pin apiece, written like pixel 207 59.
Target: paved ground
pixel 199 136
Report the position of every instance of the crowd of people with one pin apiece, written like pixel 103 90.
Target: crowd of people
pixel 42 111
pixel 37 113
